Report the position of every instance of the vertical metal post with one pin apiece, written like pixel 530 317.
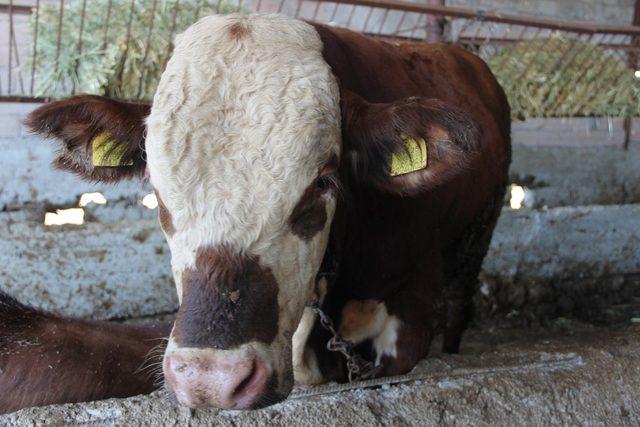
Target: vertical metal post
pixel 10 45
pixel 77 60
pixel 435 25
pixel 633 64
pixel 35 48
pixel 59 40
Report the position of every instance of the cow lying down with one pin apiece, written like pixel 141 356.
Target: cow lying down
pixel 293 163
pixel 47 359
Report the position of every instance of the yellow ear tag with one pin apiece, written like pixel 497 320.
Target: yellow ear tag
pixel 107 152
pixel 411 157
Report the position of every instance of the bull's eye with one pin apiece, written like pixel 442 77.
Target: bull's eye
pixel 324 182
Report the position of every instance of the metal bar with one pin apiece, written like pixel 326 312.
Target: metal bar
pixel 146 48
pixel 577 27
pixel 353 9
pixel 34 55
pixel 280 6
pixel 17 54
pixel 10 45
pixel 366 21
pixel 335 11
pixel 106 26
pixel 172 31
pixel 14 98
pixel 633 63
pixel 60 15
pixel 218 6
pixel 239 6
pixel 298 9
pixel 467 24
pixel 404 16
pixel 77 60
pixel 15 9
pixel 258 5
pixel 435 24
pixel 315 12
pixel 126 45
pixel 419 25
pixel 197 13
pixel 384 20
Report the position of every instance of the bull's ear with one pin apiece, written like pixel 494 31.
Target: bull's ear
pixel 407 146
pixel 100 139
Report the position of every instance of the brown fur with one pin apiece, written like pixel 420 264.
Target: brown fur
pixel 46 359
pixel 228 299
pixel 239 31
pixel 411 242
pixel 78 120
pixel 310 213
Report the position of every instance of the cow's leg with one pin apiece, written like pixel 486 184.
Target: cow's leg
pixel 410 345
pixel 459 307
pixel 400 327
pixel 462 273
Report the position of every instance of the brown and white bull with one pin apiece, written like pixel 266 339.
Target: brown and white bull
pixel 270 145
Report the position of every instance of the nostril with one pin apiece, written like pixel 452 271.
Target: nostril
pixel 251 388
pixel 243 386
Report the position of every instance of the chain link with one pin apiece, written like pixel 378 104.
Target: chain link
pixel 358 368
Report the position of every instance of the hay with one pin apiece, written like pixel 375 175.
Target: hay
pixel 114 68
pixel 561 77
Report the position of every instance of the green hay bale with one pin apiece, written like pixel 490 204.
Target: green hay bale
pixel 112 69
pixel 561 77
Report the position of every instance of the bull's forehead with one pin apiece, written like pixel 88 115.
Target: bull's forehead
pixel 244 116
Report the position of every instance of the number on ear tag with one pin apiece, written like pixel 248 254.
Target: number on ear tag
pixel 107 152
pixel 411 156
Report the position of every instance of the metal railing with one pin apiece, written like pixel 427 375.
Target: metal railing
pixel 547 67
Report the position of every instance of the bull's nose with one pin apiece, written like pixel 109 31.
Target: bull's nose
pixel 226 382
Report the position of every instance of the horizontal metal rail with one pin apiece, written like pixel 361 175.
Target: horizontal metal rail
pixel 548 67
pixel 528 21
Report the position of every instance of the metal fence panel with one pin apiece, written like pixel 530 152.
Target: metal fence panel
pixel 119 48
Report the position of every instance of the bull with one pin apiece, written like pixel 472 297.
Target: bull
pixel 296 166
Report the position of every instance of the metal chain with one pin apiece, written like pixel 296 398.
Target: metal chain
pixel 358 368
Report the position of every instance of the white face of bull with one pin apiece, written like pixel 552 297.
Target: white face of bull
pixel 242 139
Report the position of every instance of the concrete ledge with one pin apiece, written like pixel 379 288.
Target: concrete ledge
pixel 570 131
pixel 98 270
pixel 591 378
pixel 582 261
pixel 567 176
pixel 541 263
